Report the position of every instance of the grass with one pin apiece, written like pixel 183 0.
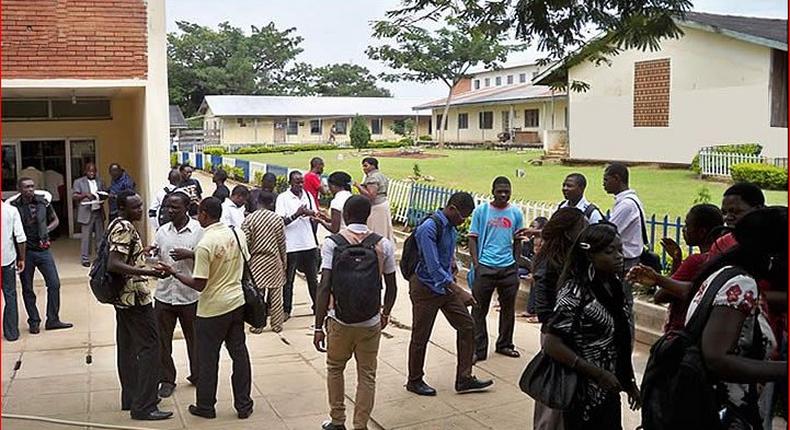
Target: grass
pixel 663 191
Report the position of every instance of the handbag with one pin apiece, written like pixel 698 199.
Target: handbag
pixel 647 257
pixel 256 308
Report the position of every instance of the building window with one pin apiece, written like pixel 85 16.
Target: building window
pixel 488 82
pixel 778 88
pixel 486 120
pixel 293 127
pixel 375 126
pixel 81 108
pixel 340 126
pixel 439 119
pixel 522 78
pixel 463 121
pixel 477 84
pixel 315 126
pixel 531 118
pixel 509 79
pixel 505 120
pixel 566 118
pixel 651 93
pixel 498 80
pixel 241 122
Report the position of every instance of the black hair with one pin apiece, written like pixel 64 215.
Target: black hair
pixel 292 174
pixel 541 221
pixel 751 194
pixel 178 194
pixel 463 201
pixel 500 180
pixel 212 207
pixel 581 180
pixel 707 217
pixel 122 198
pixel 269 176
pixel 340 179
pixel 221 174
pixel 618 169
pixel 266 198
pixel 357 209
pixel 174 172
pixel 558 235
pixel 316 161
pixel 240 190
pixel 372 161
pixel 23 179
pixel 184 166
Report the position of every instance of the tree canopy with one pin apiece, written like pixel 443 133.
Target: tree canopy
pixel 225 60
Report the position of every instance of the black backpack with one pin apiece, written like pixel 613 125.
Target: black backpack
pixel 105 285
pixel 356 279
pixel 410 255
pixel 677 392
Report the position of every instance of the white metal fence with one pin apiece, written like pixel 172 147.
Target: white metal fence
pixel 716 163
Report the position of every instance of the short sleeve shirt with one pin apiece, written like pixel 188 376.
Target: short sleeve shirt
pixel 125 240
pixel 338 203
pixel 381 182
pixel 219 261
pixel 312 184
pixel 495 229
pixel 299 232
pixel 688 270
pixel 170 290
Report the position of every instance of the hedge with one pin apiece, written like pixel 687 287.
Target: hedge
pixel 739 148
pixel 269 149
pixel 763 175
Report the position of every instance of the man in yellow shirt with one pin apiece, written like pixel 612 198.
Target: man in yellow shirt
pixel 220 310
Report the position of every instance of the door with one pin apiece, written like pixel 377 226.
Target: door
pixel 81 152
pixel 44 161
pixel 10 168
pixel 279 132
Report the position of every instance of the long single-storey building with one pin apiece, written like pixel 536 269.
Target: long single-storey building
pixel 723 82
pixel 266 120
pixel 488 103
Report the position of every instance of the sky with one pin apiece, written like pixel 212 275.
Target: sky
pixel 339 31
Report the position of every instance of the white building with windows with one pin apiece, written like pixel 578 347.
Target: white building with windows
pixel 267 120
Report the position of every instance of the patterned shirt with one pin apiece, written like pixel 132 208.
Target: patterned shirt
pixel 124 239
pixel 265 232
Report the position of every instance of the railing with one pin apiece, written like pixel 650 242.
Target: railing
pixel 716 163
pixel 412 201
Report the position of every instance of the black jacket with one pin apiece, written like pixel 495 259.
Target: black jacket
pixel 545 289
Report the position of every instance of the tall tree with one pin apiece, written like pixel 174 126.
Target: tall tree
pixel 204 61
pixel 347 80
pixel 446 54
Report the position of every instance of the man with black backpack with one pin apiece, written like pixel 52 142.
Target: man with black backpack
pixel 573 190
pixel 428 263
pixel 353 264
pixel 158 213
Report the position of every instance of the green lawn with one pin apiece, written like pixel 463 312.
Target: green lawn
pixel 663 191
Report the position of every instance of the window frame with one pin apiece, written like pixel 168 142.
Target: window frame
pixel 381 126
pixel 528 114
pixel 485 120
pixel 463 125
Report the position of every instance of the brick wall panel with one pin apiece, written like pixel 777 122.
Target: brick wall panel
pixel 95 39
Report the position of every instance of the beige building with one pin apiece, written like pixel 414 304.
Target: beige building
pixel 73 94
pixel 267 120
pixel 530 114
pixel 723 82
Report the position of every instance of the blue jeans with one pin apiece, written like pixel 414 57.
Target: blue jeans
pixel 10 313
pixel 43 261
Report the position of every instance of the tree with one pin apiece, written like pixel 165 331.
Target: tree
pixel 404 127
pixel 204 61
pixel 360 134
pixel 347 80
pixel 445 54
pixel 559 27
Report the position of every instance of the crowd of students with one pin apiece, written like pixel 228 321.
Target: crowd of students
pixel 580 264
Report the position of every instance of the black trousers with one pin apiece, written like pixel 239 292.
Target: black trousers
pixel 210 333
pixel 138 358
pixel 307 263
pixel 505 282
pixel 606 416
pixel 166 317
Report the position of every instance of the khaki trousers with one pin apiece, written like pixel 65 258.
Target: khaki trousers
pixel 363 343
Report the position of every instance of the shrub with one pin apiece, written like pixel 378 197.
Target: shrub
pixel 234 172
pixel 173 159
pixel 403 127
pixel 426 137
pixel 763 175
pixel 258 178
pixel 743 148
pixel 281 184
pixel 360 134
pixel 213 150
pixel 268 149
pixel 207 166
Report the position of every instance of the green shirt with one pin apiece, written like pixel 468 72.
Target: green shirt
pixel 218 260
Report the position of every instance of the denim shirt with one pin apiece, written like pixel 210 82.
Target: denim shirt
pixel 435 266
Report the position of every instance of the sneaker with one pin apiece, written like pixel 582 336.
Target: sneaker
pixel 327 425
pixel 471 385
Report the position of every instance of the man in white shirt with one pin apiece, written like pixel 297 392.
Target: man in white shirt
pixel 296 207
pixel 13 251
pixel 627 215
pixel 174 244
pixel 573 190
pixel 90 210
pixel 360 339
pixel 233 207
pixel 157 211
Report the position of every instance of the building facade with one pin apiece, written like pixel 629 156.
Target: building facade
pixel 84 81
pixel 272 120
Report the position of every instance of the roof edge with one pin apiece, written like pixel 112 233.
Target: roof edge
pixel 757 40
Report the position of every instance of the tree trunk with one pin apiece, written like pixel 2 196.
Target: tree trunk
pixel 443 125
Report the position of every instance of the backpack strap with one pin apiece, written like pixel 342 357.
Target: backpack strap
pixel 590 209
pixel 700 317
pixel 339 239
pixel 371 240
pixel 641 220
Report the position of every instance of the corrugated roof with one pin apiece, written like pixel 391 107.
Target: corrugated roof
pixel 177 119
pixel 251 106
pixel 767 29
pixel 495 95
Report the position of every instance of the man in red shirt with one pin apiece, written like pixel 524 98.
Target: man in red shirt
pixel 312 179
